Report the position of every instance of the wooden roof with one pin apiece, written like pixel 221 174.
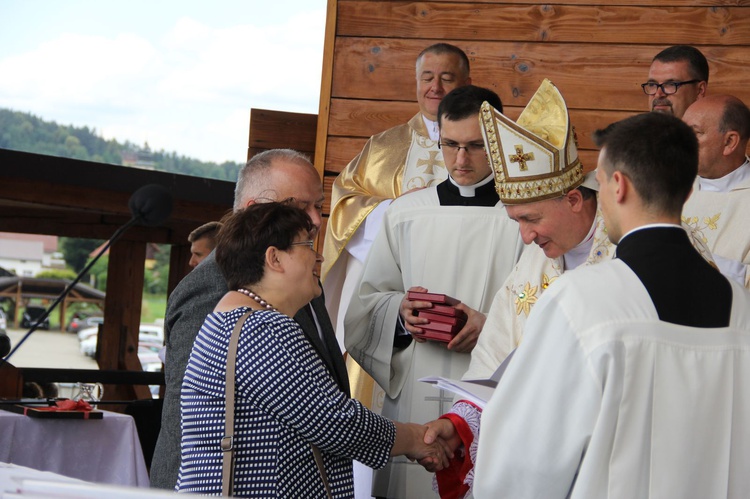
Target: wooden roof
pixel 49 195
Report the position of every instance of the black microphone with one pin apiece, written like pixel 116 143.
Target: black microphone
pixel 150 205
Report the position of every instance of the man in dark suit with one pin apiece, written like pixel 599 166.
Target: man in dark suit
pixel 273 175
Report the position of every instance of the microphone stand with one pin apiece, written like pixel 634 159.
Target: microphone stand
pixel 70 286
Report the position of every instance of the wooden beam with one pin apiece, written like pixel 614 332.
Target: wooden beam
pixel 547 23
pixel 588 75
pixel 326 86
pixel 117 346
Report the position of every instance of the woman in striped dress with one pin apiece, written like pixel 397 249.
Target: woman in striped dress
pixel 285 400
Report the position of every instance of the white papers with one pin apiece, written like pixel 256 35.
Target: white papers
pixel 477 391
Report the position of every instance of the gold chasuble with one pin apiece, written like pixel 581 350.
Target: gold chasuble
pixel 395 161
pixel 392 162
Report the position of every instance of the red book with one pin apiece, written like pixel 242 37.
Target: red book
pixel 425 313
pixel 438 298
pixel 442 327
pixel 447 310
pixel 434 336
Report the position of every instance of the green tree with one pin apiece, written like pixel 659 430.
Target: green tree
pixel 76 251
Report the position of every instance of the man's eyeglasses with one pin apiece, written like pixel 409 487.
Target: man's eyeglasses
pixel 453 148
pixel 669 87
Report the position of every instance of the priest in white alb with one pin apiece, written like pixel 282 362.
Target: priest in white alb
pixel 453 239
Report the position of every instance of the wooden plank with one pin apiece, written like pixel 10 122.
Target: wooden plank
pixel 589 75
pixel 340 151
pixel 280 129
pixel 363 118
pixel 516 21
pixel 671 3
pixel 327 186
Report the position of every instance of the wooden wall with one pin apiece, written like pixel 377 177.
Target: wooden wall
pixel 596 55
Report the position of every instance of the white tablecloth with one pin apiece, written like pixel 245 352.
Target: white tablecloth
pixel 100 451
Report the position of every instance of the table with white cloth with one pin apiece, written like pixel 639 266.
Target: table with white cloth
pixel 104 450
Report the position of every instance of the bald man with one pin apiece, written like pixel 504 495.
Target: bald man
pixel 719 205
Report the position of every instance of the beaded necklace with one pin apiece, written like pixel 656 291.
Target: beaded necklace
pixel 257 298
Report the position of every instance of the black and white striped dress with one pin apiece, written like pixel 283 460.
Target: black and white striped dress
pixel 285 400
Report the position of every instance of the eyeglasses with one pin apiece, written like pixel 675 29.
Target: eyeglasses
pixel 669 87
pixel 453 148
pixel 310 244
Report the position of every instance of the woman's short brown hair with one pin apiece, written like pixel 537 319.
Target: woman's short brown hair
pixel 247 234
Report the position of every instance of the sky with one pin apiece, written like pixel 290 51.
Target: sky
pixel 181 75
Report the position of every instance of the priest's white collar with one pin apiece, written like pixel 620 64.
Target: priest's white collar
pixel 432 128
pixel 470 191
pixel 728 181
pixel 575 257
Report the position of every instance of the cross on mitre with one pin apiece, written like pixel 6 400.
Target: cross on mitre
pixel 521 158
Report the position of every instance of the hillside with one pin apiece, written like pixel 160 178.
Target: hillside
pixel 25 132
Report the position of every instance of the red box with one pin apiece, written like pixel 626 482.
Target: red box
pixel 441 327
pixel 434 335
pixel 425 313
pixel 438 298
pixel 447 310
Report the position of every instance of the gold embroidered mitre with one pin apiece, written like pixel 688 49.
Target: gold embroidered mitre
pixel 535 157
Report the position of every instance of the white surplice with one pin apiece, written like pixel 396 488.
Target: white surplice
pixel 463 251
pixel 593 404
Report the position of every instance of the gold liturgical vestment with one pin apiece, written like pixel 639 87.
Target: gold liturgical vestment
pixel 394 161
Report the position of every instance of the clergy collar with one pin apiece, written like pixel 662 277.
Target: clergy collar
pixel 469 191
pixel 728 181
pixel 578 255
pixel 432 128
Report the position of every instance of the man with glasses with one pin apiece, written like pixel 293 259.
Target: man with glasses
pixel 454 238
pixel 678 77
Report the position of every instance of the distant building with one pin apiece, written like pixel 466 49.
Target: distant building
pixel 26 255
pixel 139 157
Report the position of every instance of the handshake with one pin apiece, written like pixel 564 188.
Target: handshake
pixel 432 445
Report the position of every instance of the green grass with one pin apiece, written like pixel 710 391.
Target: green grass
pixel 153 307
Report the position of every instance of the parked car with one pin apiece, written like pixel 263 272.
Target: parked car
pixel 147 334
pixel 3 322
pixel 4 340
pixel 31 316
pixel 78 323
pixel 148 354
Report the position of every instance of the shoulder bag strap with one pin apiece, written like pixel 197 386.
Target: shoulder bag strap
pixel 321 469
pixel 227 443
